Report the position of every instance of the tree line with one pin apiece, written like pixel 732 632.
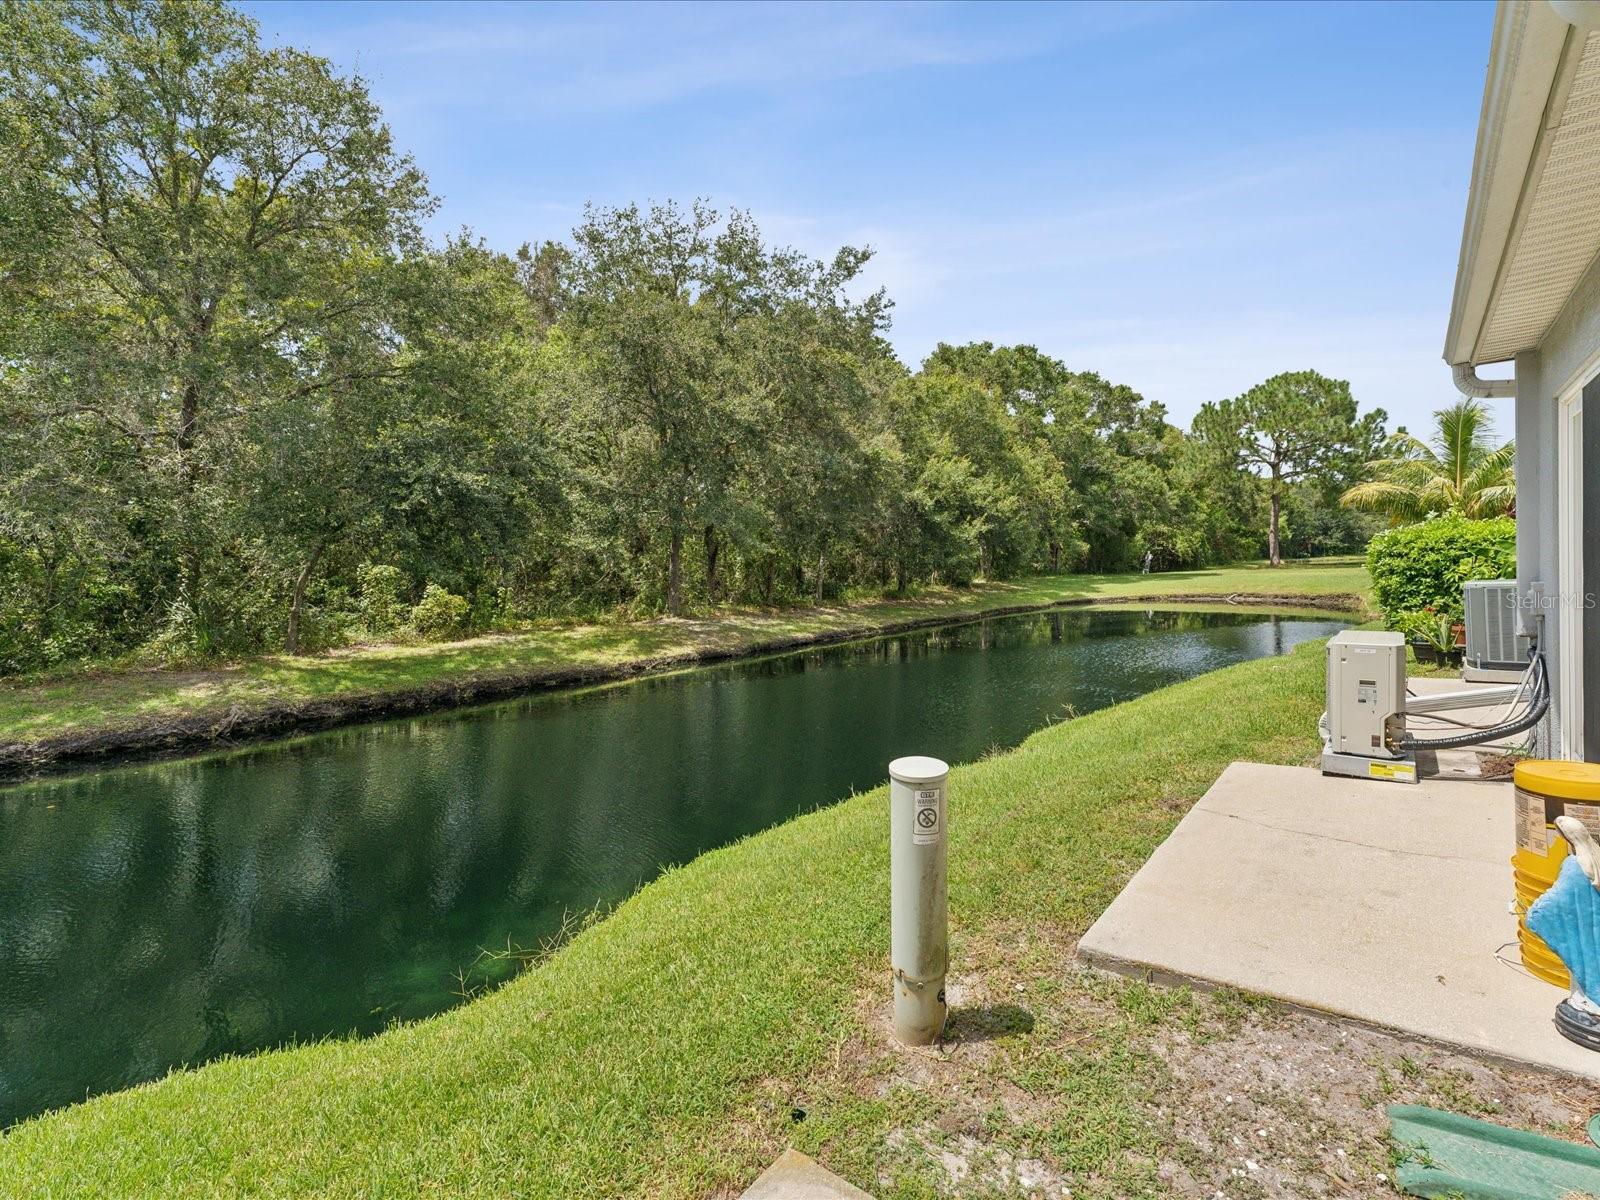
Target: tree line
pixel 247 405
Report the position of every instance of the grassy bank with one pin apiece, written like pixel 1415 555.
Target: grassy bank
pixel 146 709
pixel 676 1045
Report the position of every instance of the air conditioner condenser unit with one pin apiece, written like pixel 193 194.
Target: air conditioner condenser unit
pixel 1496 653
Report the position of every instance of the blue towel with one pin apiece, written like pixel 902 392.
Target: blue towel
pixel 1567 917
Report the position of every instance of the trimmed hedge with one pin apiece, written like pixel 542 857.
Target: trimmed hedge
pixel 1424 565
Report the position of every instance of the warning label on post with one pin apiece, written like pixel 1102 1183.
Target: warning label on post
pixel 927 816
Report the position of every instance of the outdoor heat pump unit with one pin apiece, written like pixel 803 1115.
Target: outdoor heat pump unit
pixel 1365 731
pixel 1367 706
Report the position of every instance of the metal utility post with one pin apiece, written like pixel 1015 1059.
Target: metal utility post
pixel 918 913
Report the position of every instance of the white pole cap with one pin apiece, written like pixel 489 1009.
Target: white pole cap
pixel 917 768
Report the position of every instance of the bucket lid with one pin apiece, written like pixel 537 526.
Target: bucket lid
pixel 1563 779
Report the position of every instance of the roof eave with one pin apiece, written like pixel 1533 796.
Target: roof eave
pixel 1525 58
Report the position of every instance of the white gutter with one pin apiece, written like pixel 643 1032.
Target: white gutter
pixel 1468 383
pixel 1525 57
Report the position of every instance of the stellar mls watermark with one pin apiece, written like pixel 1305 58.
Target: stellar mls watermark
pixel 1538 600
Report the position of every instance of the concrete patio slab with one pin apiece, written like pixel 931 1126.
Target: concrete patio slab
pixel 1381 902
pixel 796 1177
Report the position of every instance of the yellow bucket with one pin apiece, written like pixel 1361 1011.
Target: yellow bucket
pixel 1546 790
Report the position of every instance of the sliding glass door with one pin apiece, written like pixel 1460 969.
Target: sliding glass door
pixel 1579 526
pixel 1568 671
pixel 1587 568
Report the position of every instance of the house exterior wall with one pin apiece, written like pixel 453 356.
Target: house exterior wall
pixel 1538 544
pixel 1543 377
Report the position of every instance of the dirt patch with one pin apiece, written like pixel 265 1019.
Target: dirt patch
pixel 1055 1080
pixel 1497 766
pixel 1289 1105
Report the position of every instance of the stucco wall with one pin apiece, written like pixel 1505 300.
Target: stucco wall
pixel 1542 376
pixel 1574 337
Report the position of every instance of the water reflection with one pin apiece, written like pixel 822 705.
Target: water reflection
pixel 167 914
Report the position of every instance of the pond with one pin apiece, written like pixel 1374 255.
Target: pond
pixel 160 915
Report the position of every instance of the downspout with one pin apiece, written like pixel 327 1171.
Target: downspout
pixel 1468 383
pixel 1530 593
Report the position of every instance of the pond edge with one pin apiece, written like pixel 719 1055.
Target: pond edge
pixel 181 735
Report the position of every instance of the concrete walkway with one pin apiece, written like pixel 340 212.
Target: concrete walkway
pixel 796 1177
pixel 1383 902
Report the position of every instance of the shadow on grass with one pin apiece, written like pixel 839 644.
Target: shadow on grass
pixel 986 1023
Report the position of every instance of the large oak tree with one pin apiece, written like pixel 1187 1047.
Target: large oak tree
pixel 218 220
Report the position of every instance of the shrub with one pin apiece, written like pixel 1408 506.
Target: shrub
pixel 381 606
pixel 60 608
pixel 178 642
pixel 1424 565
pixel 440 615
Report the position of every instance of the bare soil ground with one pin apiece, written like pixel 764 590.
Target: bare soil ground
pixel 1055 1080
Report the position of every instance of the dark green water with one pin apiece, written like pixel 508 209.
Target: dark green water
pixel 160 915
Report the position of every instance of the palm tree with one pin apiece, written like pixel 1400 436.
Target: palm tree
pixel 1459 471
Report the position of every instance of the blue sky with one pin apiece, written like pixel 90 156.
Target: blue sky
pixel 1186 198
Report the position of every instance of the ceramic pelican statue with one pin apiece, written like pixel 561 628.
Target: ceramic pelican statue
pixel 1567 917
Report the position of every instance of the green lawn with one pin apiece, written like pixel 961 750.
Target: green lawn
pixel 663 1050
pixel 75 705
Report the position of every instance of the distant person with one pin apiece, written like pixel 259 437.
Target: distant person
pixel 1149 557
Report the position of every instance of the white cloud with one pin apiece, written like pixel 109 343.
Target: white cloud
pixel 1191 285
pixel 604 58
pixel 1188 264
pixel 1219 355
